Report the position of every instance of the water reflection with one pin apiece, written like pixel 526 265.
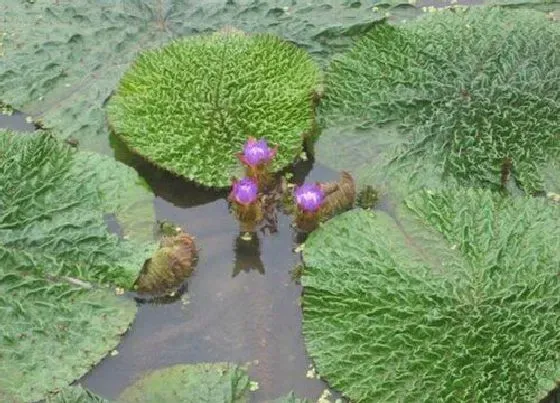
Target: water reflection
pixel 247 254
pixel 16 121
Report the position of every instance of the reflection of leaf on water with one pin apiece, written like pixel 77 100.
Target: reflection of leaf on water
pixel 55 251
pixel 247 255
pixel 61 60
pixel 194 383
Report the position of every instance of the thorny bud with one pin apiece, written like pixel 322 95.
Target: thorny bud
pixel 309 197
pixel 257 152
pixel 244 191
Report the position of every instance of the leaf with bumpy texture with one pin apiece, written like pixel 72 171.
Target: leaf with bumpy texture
pixel 55 252
pixel 452 297
pixel 75 394
pixel 192 383
pixel 61 60
pixel 190 106
pixel 452 94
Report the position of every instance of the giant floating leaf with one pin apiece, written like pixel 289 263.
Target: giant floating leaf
pixel 190 383
pixel 60 60
pixel 452 94
pixel 190 106
pixel 55 250
pixel 453 297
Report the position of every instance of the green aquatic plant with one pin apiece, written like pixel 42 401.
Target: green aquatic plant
pixel 246 203
pixel 452 297
pixel 257 157
pixel 190 383
pixel 62 72
pixel 290 398
pixel 191 105
pixel 58 259
pixel 451 96
pixel 171 264
pixel 75 394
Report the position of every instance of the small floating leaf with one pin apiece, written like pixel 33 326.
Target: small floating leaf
pixel 190 383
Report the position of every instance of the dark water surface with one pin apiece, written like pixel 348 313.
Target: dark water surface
pixel 241 306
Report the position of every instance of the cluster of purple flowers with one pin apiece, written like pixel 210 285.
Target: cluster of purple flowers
pixel 256 157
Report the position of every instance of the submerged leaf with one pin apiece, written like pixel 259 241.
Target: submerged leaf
pixel 456 293
pixel 290 398
pixel 55 251
pixel 191 106
pixel 450 96
pixel 190 383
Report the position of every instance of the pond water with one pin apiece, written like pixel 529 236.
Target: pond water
pixel 241 304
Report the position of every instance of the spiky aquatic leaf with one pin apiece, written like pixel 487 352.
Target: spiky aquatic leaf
pixel 55 249
pixel 190 383
pixel 190 106
pixel 61 60
pixel 453 94
pixel 453 297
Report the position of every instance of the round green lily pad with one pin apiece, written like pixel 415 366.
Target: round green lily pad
pixel 466 96
pixel 453 297
pixel 190 106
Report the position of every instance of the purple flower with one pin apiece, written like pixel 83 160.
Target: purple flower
pixel 256 152
pixel 244 191
pixel 309 197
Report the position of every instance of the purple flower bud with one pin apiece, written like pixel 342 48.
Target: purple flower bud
pixel 309 197
pixel 244 191
pixel 257 152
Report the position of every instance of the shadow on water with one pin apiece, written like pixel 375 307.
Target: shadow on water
pixel 164 184
pixel 241 306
